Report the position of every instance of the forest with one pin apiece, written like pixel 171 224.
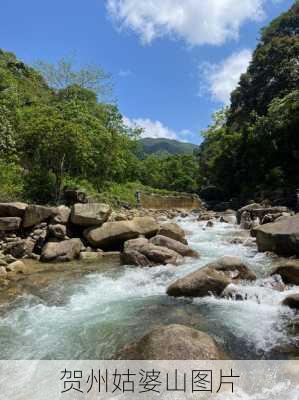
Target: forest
pixel 58 128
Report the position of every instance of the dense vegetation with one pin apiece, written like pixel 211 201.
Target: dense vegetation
pixel 55 132
pixel 58 129
pixel 253 145
pixel 163 145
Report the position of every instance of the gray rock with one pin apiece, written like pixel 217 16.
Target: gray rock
pixel 90 214
pixel 57 231
pixel 211 279
pixel 35 214
pixel 15 209
pixel 21 248
pixel 135 257
pixel 62 215
pixel 172 342
pixel 289 271
pixel 247 208
pixel 10 224
pixel 64 251
pixel 280 237
pixel 173 231
pixel 116 233
pixel 172 244
pixel 203 282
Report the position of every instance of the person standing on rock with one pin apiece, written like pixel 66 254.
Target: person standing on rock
pixel 138 199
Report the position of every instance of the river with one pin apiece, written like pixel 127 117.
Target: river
pixel 92 316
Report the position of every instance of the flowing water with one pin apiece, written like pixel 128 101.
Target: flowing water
pixel 93 316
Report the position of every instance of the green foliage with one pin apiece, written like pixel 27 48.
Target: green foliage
pixel 256 145
pixel 61 135
pixel 11 181
pixel 149 146
pixel 177 173
pixel 64 74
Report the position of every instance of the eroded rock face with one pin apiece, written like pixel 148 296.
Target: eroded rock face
pixel 280 237
pixel 116 233
pixel 66 250
pixel 35 214
pixel 90 214
pixel 173 342
pixel 173 231
pixel 289 271
pixel 211 279
pixel 15 209
pixel 10 224
pixel 172 244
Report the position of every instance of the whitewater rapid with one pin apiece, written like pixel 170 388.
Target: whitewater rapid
pixel 95 315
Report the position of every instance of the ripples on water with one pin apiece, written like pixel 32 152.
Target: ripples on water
pixel 103 311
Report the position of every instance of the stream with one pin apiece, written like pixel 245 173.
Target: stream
pixel 93 316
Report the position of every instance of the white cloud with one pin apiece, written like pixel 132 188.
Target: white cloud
pixel 221 79
pixel 195 21
pixel 151 129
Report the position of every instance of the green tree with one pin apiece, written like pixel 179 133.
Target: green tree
pixel 64 74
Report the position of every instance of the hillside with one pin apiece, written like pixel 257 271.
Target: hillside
pixel 154 146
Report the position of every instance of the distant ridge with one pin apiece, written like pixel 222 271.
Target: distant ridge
pixel 159 146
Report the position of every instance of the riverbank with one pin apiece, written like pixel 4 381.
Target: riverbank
pixel 92 310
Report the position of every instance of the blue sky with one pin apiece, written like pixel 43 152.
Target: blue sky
pixel 173 62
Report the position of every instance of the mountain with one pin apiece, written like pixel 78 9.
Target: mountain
pixel 170 146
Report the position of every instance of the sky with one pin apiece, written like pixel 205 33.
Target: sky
pixel 173 62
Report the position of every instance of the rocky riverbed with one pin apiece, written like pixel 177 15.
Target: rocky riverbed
pixel 162 274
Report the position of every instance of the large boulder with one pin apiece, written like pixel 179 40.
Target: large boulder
pixel 62 215
pixel 280 237
pixel 289 271
pixel 10 224
pixel 35 214
pixel 90 214
pixel 143 253
pixel 15 209
pixel 201 283
pixel 234 268
pixel 116 233
pixel 172 244
pixel 173 342
pixel 161 255
pixel 173 231
pixel 66 250
pixel 146 226
pixel 211 279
